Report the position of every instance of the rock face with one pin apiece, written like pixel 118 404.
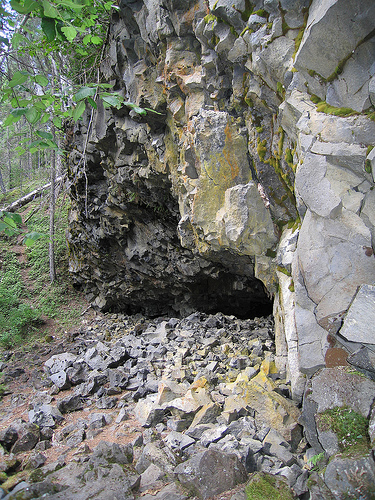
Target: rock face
pixel 248 179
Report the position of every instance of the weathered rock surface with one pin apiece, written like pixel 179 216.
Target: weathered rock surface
pixel 205 404
pixel 186 208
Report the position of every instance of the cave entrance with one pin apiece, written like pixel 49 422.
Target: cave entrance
pixel 245 298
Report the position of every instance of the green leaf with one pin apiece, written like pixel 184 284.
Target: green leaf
pixel 49 28
pixel 19 112
pixel 31 238
pixel 69 32
pixel 10 120
pixel 91 101
pixel 78 111
pixel 19 78
pixel 4 40
pixel 72 5
pixel 23 7
pixel 81 52
pixel 41 80
pixel 112 100
pixel 44 135
pixel 83 93
pixel 17 218
pixel 86 39
pixel 137 109
pixel 153 111
pixel 57 122
pixel 50 10
pixel 33 115
pixel 17 39
pixel 96 40
pixel 45 118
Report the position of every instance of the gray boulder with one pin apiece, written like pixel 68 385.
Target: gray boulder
pixel 211 472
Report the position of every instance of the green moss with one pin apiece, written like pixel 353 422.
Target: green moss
pixel 281 141
pixel 264 486
pixel 280 90
pixel 368 167
pixel 248 11
pixel 297 41
pixel 271 253
pixel 323 107
pixel 283 270
pixel 369 149
pixel 350 427
pixel 262 13
pixel 261 149
pixel 291 286
pixel 210 18
pixel 259 129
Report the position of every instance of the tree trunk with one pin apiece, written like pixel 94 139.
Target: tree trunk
pixel 9 161
pixel 21 202
pixel 51 248
pixel 2 186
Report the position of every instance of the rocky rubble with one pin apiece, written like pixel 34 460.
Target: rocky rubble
pixel 206 406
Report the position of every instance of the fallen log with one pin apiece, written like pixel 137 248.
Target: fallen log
pixel 28 197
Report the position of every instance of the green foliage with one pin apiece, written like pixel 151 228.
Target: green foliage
pixel 316 460
pixel 17 319
pixel 264 486
pixel 350 427
pixel 323 107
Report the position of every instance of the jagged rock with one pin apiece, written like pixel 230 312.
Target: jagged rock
pixel 59 362
pixel 360 315
pixel 28 436
pixel 153 453
pixel 351 476
pixel 112 453
pixel 34 461
pixel 70 403
pixel 8 437
pixel 45 415
pixel 210 473
pixel 179 441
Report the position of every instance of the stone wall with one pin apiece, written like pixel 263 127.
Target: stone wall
pixel 250 177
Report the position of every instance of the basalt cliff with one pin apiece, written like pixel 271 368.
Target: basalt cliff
pixel 248 184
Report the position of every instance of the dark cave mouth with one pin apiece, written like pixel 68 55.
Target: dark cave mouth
pixel 244 298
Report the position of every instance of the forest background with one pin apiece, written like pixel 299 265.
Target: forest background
pixel 50 55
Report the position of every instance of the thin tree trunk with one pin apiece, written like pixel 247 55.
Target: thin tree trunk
pixel 2 185
pixel 9 162
pixel 51 248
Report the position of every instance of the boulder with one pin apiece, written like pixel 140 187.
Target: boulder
pixel 211 472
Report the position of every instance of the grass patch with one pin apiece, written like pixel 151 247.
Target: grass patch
pixel 17 319
pixel 27 298
pixel 263 486
pixel 350 427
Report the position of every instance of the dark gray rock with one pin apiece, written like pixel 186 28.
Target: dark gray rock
pixel 210 473
pixel 354 477
pixel 71 403
pixel 8 437
pixel 28 436
pixel 106 452
pixel 45 415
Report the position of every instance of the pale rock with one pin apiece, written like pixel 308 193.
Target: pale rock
pixel 332 33
pixel 360 317
pixel 351 88
pixel 315 189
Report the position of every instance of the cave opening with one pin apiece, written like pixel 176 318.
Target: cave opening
pixel 245 298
